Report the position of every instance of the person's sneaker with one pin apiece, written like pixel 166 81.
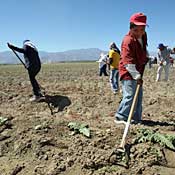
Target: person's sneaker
pixel 120 121
pixel 115 92
pixel 36 98
pixel 136 122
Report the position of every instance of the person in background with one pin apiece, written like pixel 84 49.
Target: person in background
pixel 163 61
pixel 150 61
pixel 33 65
pixel 102 64
pixel 171 61
pixel 131 68
pixel 114 58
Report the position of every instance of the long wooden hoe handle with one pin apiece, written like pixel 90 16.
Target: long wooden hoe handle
pixel 19 58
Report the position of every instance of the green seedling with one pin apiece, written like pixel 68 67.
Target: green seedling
pixel 79 128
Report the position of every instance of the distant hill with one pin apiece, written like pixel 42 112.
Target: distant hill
pixel 90 54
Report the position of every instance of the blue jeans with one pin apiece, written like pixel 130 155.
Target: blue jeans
pixel 114 75
pixel 129 88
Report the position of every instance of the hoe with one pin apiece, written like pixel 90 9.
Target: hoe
pixel 43 89
pixel 122 145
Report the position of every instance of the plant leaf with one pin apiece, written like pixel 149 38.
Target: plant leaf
pixel 164 140
pixel 79 128
pixel 73 125
pixel 3 120
pixel 145 135
pixel 85 131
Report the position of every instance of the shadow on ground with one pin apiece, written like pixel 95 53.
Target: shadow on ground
pixel 57 103
pixel 157 123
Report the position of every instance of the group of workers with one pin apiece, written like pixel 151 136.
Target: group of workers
pixel 127 66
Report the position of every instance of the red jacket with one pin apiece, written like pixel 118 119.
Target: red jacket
pixel 132 53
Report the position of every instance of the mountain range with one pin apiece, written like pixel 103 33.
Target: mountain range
pixel 90 54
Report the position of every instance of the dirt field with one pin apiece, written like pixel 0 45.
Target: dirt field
pixel 34 142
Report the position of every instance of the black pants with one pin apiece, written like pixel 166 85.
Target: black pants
pixel 103 71
pixel 33 71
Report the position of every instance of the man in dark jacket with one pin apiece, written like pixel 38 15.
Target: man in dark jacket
pixel 32 64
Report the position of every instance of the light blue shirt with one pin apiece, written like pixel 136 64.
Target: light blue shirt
pixel 163 55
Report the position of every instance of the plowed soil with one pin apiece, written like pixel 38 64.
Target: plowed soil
pixel 36 139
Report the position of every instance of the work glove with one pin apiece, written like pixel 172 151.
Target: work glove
pixel 10 45
pixel 161 64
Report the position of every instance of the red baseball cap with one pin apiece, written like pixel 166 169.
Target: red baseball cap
pixel 138 19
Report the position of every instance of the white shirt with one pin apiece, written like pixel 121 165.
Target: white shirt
pixel 102 61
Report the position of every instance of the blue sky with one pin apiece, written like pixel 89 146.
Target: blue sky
pixel 60 25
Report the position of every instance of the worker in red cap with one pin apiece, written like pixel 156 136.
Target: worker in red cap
pixel 131 67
